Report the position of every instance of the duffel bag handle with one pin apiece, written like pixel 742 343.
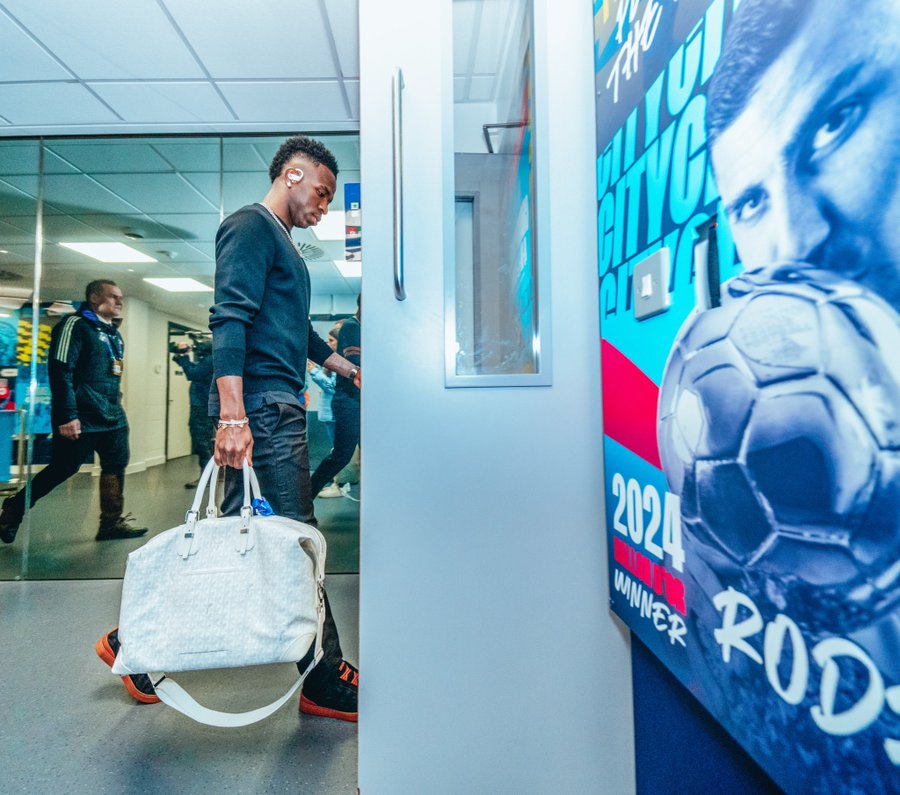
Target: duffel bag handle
pixel 208 480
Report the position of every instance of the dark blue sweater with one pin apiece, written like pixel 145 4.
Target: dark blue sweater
pixel 260 320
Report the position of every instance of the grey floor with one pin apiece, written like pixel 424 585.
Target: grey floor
pixel 68 726
pixel 66 723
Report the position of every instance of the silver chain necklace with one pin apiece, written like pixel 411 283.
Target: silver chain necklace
pixel 280 224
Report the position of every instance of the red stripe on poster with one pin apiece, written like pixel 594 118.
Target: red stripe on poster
pixel 629 405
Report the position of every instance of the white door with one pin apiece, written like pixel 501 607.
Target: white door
pixel 489 660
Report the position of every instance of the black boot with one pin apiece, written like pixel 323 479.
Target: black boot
pixel 112 523
pixel 11 517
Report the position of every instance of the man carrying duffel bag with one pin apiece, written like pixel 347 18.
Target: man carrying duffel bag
pixel 262 338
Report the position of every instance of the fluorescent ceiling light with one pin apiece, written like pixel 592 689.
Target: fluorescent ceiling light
pixel 349 270
pixel 180 285
pixel 109 252
pixel 331 227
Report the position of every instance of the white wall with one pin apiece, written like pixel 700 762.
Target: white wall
pixel 144 387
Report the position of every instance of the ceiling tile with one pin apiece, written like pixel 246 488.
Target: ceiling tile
pixel 206 183
pixel 353 95
pixel 245 187
pixel 47 103
pixel 464 33
pixel 272 41
pixel 23 58
pixel 481 88
pixel 174 102
pixel 343 15
pixel 190 226
pixel 75 194
pixel 291 103
pixel 501 23
pixel 18 229
pixel 246 155
pixel 100 39
pixel 152 193
pixel 189 154
pixel 18 157
pixel 110 156
pixel 113 226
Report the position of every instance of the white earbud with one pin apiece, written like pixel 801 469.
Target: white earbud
pixel 295 178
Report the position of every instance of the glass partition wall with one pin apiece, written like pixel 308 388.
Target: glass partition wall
pixel 142 212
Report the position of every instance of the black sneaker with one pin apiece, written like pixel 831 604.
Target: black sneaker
pixel 120 529
pixel 330 692
pixel 139 686
pixel 10 519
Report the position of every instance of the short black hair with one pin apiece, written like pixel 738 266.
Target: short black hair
pixel 760 32
pixel 96 288
pixel 301 145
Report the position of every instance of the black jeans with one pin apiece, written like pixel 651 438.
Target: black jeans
pixel 67 455
pixel 203 434
pixel 281 463
pixel 346 436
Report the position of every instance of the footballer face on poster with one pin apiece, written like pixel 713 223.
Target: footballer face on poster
pixel 779 411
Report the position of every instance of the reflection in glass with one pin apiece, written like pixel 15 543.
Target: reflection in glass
pixel 18 205
pixel 163 197
pixel 495 308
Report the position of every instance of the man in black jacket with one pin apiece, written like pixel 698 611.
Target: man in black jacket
pixel 86 363
pixel 199 371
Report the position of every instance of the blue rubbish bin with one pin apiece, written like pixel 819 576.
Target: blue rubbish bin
pixel 7 432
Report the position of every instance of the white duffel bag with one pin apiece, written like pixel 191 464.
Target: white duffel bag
pixel 222 592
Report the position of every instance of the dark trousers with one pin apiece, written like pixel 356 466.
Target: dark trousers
pixel 281 463
pixel 67 455
pixel 203 433
pixel 346 436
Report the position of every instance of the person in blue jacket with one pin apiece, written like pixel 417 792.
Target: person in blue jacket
pixel 87 359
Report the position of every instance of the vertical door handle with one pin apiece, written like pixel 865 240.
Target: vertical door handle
pixel 397 141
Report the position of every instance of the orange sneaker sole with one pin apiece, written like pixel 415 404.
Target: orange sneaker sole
pixel 104 652
pixel 308 708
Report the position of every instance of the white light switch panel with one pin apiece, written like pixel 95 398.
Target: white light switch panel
pixel 651 284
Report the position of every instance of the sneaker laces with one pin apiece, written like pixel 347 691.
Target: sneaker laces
pixel 345 490
pixel 349 674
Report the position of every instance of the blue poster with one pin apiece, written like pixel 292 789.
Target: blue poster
pixel 752 430
pixel 352 222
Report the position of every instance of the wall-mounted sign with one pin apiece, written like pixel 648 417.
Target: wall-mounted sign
pixel 752 438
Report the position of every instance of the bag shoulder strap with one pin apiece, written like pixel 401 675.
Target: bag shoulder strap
pixel 173 694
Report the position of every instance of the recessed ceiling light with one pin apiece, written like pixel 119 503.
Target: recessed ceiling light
pixel 109 252
pixel 331 227
pixel 349 270
pixel 180 285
